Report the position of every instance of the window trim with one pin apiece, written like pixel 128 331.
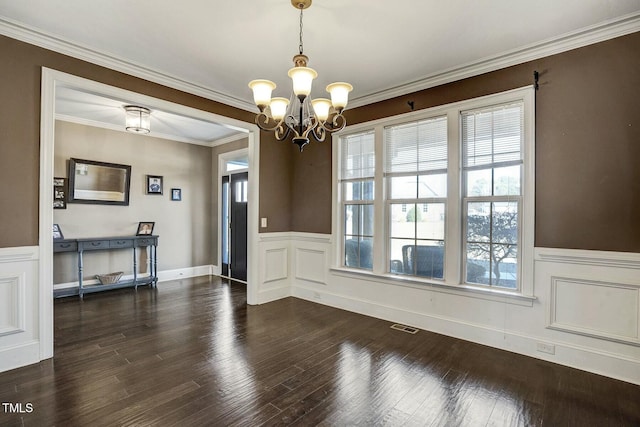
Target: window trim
pixel 454 224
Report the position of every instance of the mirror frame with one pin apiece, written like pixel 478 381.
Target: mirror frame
pixel 72 175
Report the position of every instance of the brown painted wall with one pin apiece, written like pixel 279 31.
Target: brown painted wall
pixel 20 75
pixel 587 145
pixel 587 127
pixel 275 183
pixel 311 187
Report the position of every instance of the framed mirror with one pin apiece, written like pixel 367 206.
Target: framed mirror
pixel 98 182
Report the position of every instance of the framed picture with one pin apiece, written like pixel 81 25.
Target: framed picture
pixel 57 232
pixel 59 193
pixel 176 194
pixel 154 184
pixel 145 228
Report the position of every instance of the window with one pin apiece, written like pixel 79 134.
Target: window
pixel 452 190
pixel 416 177
pixel 492 168
pixel 357 190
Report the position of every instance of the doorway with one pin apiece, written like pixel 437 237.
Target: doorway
pixel 52 79
pixel 234 198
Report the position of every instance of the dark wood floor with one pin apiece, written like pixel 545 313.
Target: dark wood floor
pixel 192 353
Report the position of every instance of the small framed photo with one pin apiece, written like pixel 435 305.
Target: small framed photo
pixel 145 228
pixel 154 184
pixel 57 232
pixel 59 193
pixel 176 194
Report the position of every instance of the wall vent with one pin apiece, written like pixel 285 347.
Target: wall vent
pixel 404 328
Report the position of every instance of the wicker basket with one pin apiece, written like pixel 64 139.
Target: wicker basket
pixel 109 279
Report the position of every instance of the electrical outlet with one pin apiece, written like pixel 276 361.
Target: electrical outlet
pixel 263 222
pixel 546 348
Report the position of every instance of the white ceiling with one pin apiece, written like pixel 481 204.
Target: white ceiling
pixel 383 48
pixel 102 111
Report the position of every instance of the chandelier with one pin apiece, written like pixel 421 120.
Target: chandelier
pixel 300 115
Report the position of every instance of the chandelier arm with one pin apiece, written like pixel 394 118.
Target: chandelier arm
pixel 319 132
pixel 282 132
pixel 264 122
pixel 335 124
pixel 311 127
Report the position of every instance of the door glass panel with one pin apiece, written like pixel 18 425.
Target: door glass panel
pixel 224 238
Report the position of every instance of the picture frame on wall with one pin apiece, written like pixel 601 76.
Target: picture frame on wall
pixel 176 194
pixel 145 228
pixel 154 184
pixel 57 232
pixel 59 193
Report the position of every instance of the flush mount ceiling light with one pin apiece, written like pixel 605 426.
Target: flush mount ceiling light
pixel 300 115
pixel 137 119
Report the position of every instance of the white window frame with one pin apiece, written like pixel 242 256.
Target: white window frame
pixel 454 225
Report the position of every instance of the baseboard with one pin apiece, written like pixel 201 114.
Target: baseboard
pixel 183 273
pixel 611 365
pixel 163 276
pixel 273 294
pixel 19 355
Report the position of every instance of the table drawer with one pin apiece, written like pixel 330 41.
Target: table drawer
pixel 94 245
pixel 65 246
pixel 124 243
pixel 147 241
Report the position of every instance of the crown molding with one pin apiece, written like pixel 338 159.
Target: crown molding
pixel 607 30
pixel 34 36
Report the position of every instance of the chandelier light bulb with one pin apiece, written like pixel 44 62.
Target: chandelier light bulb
pixel 321 107
pixel 302 78
pixel 339 94
pixel 278 108
pixel 262 92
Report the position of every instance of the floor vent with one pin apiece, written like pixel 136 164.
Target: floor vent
pixel 405 328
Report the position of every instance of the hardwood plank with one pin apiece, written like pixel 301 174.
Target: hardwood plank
pixel 191 353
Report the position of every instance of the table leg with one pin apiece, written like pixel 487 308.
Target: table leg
pixel 135 270
pixel 80 273
pixel 155 265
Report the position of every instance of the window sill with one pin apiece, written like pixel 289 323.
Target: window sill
pixel 437 286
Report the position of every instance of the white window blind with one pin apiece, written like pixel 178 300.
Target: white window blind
pixel 358 157
pixel 416 147
pixel 492 136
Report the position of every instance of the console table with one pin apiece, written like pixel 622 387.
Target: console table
pixel 111 243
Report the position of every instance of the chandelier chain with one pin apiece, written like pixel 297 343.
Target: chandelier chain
pixel 301 46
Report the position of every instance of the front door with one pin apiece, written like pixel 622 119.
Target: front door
pixel 234 225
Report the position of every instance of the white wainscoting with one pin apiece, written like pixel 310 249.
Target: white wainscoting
pixel 274 252
pixel 599 309
pixel 19 337
pixel 586 311
pixel 592 293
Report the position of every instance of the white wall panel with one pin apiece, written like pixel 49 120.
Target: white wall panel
pixel 19 318
pixel 311 265
pixel 12 304
pixel 274 253
pixel 276 264
pixel 600 309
